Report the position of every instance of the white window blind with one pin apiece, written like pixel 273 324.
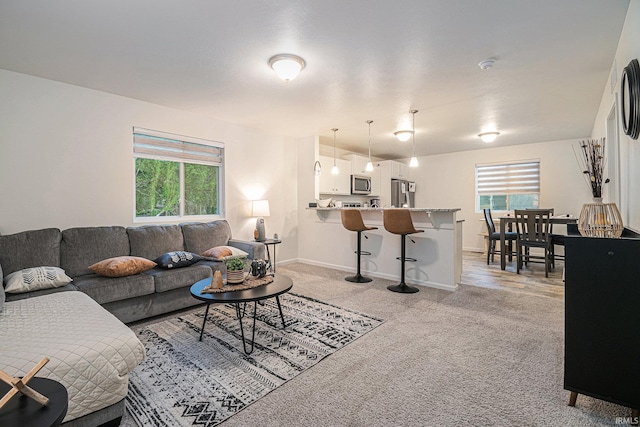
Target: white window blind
pixel 161 145
pixel 508 178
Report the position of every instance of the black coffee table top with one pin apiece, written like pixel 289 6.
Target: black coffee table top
pixel 25 412
pixel 280 285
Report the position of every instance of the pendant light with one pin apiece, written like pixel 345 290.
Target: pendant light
pixel 334 169
pixel 369 167
pixel 413 163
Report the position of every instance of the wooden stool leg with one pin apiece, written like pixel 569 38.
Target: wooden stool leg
pixel 572 398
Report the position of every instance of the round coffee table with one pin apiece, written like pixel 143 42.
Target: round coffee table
pixel 280 285
pixel 25 412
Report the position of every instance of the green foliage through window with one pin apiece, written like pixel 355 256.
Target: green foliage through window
pixel 157 188
pixel 200 189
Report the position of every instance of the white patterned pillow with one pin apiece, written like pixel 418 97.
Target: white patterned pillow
pixel 33 279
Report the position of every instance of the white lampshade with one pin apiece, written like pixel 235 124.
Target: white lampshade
pixel 335 170
pixel 369 167
pixel 287 66
pixel 413 163
pixel 260 208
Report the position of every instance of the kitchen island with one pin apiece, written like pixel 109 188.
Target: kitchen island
pixel 438 249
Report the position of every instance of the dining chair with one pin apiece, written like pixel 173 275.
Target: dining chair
pixel 533 231
pixel 493 236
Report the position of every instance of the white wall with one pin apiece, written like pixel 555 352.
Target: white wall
pixel 66 160
pixel 448 181
pixel 629 149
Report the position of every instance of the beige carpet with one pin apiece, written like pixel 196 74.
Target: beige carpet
pixel 476 357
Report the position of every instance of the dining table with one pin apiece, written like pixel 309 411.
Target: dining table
pixel 506 224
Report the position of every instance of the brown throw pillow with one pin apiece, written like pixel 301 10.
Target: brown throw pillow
pixel 122 266
pixel 218 252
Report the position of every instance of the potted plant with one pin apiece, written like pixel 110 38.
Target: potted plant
pixel 235 270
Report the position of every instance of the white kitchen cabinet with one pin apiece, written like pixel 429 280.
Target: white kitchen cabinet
pixel 399 170
pixel 335 184
pixel 358 164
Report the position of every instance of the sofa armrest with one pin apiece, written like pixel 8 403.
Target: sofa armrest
pixel 256 250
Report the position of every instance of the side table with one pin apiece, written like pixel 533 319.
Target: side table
pixel 25 412
pixel 272 242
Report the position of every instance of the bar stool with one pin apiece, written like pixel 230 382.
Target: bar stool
pixel 352 221
pixel 398 221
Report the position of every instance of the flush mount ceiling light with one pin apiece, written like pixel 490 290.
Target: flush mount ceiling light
pixel 403 135
pixel 287 66
pixel 489 136
pixel 486 64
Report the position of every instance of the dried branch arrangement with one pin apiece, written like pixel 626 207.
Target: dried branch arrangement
pixel 591 158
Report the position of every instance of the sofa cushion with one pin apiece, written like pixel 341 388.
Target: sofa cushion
pixel 214 265
pixel 166 280
pixel 121 266
pixel 27 249
pixel 151 241
pixel 177 259
pixel 36 278
pixel 200 236
pixel 109 289
pixel 84 246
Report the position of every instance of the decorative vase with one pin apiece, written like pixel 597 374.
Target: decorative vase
pixel 235 276
pixel 599 219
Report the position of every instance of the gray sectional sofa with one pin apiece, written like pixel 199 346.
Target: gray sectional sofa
pixel 76 347
pixel 129 298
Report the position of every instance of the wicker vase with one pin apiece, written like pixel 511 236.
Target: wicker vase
pixel 235 276
pixel 599 219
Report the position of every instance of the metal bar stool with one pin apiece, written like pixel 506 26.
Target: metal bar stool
pixel 352 221
pixel 398 221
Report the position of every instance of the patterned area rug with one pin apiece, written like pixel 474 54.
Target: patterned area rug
pixel 184 382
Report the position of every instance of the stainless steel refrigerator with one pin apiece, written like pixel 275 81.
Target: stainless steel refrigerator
pixel 403 193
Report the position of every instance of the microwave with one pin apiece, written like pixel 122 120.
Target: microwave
pixel 360 184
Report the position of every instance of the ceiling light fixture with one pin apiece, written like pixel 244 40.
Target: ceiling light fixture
pixel 413 163
pixel 403 135
pixel 486 64
pixel 489 136
pixel 334 169
pixel 369 167
pixel 287 66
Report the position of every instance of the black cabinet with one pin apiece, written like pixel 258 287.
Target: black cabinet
pixel 602 326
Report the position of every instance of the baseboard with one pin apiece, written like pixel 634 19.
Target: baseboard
pixel 480 250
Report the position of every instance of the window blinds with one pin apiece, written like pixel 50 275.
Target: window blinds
pixel 166 146
pixel 508 178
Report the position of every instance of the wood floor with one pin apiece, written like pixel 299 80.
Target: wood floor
pixel 531 280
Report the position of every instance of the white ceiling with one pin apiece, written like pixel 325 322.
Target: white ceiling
pixel 365 60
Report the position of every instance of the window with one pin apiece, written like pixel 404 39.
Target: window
pixel 508 186
pixel 176 176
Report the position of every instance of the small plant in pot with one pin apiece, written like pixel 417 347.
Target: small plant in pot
pixel 235 270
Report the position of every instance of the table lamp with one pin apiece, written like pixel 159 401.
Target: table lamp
pixel 260 209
